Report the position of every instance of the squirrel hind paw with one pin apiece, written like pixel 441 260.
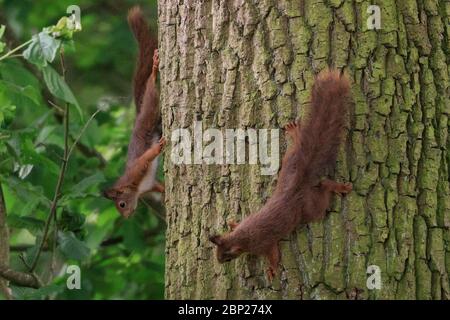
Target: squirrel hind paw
pixel 292 130
pixel 347 187
pixel 270 274
pixel 344 188
pixel 232 224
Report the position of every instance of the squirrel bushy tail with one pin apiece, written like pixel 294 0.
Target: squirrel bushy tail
pixel 320 135
pixel 147 44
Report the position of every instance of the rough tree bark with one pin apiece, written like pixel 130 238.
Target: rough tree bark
pixel 4 246
pixel 250 64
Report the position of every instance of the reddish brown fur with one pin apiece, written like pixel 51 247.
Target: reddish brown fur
pixel 144 146
pixel 147 45
pixel 301 195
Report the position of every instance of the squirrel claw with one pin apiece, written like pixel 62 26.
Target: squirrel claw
pixel 155 59
pixel 290 126
pixel 155 64
pixel 161 144
pixel 292 129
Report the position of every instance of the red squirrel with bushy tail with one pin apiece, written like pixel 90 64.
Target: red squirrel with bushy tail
pixel 302 195
pixel 144 147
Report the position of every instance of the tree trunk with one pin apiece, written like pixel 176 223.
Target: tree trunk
pixel 4 246
pixel 251 64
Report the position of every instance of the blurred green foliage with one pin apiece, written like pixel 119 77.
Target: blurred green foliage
pixel 119 259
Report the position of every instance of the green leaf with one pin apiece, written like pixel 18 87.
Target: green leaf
pixel 42 49
pixel 16 93
pixel 133 235
pixel 7 110
pixel 2 30
pixel 27 194
pixel 44 134
pixel 34 53
pixel 71 221
pixel 19 86
pixel 31 252
pixel 79 190
pixel 31 93
pixel 2 44
pixel 71 247
pixel 30 155
pixel 23 222
pixel 59 88
pixel 49 46
pixel 14 72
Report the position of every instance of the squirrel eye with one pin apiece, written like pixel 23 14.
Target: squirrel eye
pixel 122 204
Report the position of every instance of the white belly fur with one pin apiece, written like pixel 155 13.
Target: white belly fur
pixel 149 180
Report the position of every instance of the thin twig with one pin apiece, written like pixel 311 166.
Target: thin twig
pixel 56 106
pixel 151 205
pixel 16 56
pixel 24 261
pixel 119 239
pixel 53 258
pixel 52 215
pixel 10 53
pixel 77 139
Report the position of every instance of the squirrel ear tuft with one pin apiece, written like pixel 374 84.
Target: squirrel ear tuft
pixel 216 239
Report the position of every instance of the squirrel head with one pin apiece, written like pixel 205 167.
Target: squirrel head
pixel 125 199
pixel 225 249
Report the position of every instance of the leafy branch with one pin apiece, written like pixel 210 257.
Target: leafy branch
pixel 85 150
pixel 66 157
pixel 40 51
pixel 65 216
pixel 62 172
pixel 10 54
